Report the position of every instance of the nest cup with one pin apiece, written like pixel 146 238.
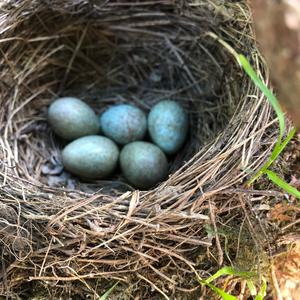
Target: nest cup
pixel 62 229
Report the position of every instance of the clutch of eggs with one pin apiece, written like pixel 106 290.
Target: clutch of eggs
pixel 91 156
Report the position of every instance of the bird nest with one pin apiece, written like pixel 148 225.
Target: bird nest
pixel 68 234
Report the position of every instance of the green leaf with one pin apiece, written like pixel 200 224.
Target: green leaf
pixel 107 293
pixel 282 184
pixel 221 293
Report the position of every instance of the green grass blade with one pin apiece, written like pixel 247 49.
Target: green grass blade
pixel 251 287
pixel 274 155
pixel 279 146
pixel 229 271
pixel 221 293
pixel 263 291
pixel 290 135
pixel 282 184
pixel 272 99
pixel 108 292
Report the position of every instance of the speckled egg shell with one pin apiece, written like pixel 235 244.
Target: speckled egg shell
pixel 93 157
pixel 124 123
pixel 168 126
pixel 71 118
pixel 143 164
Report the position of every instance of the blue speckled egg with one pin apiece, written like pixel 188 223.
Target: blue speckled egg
pixel 143 164
pixel 124 123
pixel 92 157
pixel 168 126
pixel 71 118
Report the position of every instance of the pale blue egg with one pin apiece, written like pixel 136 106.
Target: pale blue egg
pixel 71 118
pixel 93 157
pixel 123 123
pixel 168 126
pixel 143 164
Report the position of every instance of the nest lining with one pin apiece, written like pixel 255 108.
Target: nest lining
pixel 123 52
